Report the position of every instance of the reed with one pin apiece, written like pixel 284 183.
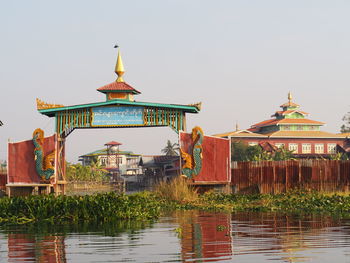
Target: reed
pixel 177 190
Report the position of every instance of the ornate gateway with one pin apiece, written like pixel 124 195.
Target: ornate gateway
pixel 43 164
pixel 193 160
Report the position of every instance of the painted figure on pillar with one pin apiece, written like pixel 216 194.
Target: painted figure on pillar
pixel 43 164
pixel 193 161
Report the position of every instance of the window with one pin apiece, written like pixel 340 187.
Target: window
pixel 306 148
pixel 293 147
pixel 287 128
pixel 319 148
pixel 299 128
pixel 279 145
pixel 252 143
pixel 332 148
pixel 103 161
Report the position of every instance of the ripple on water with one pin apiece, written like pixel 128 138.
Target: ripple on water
pixel 188 236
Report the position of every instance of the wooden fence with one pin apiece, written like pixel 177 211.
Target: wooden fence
pixel 281 176
pixel 3 180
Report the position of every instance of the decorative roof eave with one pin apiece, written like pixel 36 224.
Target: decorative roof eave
pixel 283 113
pixel 41 105
pixel 186 108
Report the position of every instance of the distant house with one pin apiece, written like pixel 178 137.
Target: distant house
pixel 162 167
pixel 126 161
pixel 291 129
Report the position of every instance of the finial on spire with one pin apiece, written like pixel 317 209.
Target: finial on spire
pixel 237 127
pixel 119 68
pixel 290 96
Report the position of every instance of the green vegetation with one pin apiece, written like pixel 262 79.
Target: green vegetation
pixel 346 127
pixel 177 190
pixel 171 149
pixel 242 152
pixel 90 173
pixel 110 207
pixel 339 157
pixel 72 209
pixel 295 201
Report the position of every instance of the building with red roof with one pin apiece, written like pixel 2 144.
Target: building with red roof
pixel 291 129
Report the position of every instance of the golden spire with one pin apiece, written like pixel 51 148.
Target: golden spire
pixel 290 97
pixel 119 68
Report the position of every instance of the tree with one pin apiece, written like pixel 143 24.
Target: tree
pixel 171 149
pixel 241 152
pixel 346 127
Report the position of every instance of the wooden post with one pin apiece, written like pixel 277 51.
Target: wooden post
pixel 274 177
pixel 286 184
pixel 184 122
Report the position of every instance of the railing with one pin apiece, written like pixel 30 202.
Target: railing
pixel 282 176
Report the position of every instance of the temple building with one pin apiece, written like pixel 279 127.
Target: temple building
pixel 290 128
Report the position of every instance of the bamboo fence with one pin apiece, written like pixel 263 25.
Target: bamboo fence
pixel 282 176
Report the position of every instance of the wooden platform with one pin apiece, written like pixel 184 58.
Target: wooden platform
pixel 22 189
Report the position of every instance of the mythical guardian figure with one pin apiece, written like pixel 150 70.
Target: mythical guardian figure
pixel 43 164
pixel 193 161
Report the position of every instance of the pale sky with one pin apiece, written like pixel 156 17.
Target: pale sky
pixel 240 58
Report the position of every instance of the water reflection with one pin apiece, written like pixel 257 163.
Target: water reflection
pixel 28 248
pixel 187 236
pixel 204 236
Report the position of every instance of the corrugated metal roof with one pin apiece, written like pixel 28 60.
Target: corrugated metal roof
pixel 304 134
pixel 104 152
pixel 242 133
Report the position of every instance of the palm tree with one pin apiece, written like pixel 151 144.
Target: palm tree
pixel 171 149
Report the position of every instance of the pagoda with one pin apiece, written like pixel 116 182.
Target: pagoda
pixel 119 89
pixel 290 118
pixel 290 128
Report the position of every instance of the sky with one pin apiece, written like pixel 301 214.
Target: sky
pixel 240 58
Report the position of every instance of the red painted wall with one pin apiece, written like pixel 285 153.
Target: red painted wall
pixel 21 164
pixel 299 141
pixel 216 158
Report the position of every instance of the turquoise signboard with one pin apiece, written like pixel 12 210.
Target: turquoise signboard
pixel 115 116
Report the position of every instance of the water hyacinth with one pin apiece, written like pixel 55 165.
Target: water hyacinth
pixel 109 207
pixel 98 208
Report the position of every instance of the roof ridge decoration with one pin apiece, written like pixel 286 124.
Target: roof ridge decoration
pixel 289 103
pixel 198 105
pixel 119 68
pixel 41 105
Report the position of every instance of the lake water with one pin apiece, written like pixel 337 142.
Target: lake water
pixel 186 236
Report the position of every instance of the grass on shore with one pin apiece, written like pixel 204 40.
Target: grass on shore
pixel 177 190
pixel 109 207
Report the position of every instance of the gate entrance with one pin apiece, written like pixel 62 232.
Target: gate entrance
pixel 120 110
